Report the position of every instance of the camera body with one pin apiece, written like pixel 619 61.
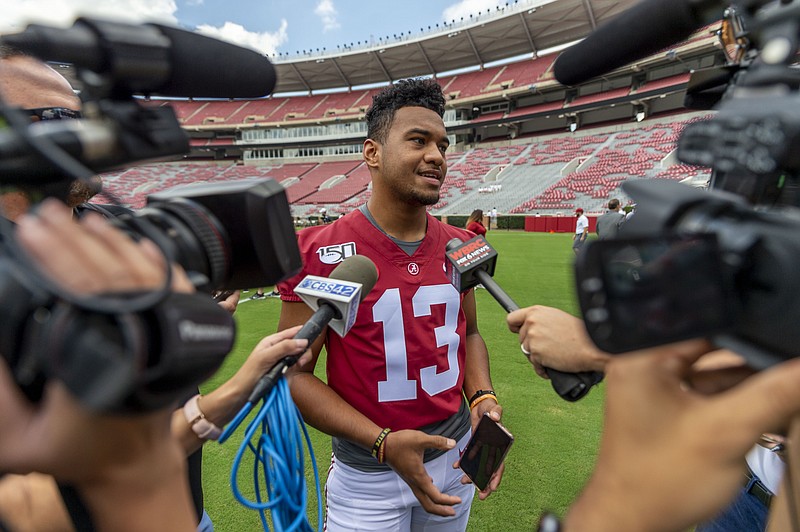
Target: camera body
pixel 135 352
pixel 225 236
pixel 694 263
pixel 718 263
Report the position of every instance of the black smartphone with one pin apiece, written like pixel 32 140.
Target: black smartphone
pixel 222 295
pixel 642 292
pixel 485 451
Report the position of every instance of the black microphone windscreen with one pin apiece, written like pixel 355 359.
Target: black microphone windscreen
pixel 204 67
pixel 638 32
pixel 152 58
pixel 357 269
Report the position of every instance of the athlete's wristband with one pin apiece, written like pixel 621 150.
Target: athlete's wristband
pixel 202 427
pixel 481 395
pixel 377 447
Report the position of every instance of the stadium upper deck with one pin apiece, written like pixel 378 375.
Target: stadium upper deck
pixel 494 68
pixel 521 27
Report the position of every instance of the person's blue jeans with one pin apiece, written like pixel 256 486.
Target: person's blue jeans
pixel 745 514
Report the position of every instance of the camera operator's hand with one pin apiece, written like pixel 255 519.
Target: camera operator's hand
pixel 555 340
pixel 92 257
pixel 108 458
pixel 231 301
pixel 661 436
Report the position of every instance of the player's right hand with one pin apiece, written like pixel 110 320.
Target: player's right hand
pixel 403 451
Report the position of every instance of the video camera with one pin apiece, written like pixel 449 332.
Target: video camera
pixel 719 263
pixel 136 352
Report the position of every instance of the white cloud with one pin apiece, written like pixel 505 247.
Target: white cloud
pixel 465 8
pixel 195 2
pixel 327 13
pixel 20 13
pixel 266 43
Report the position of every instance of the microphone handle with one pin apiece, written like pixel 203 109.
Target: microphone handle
pixel 309 331
pixel 570 386
pixel 500 295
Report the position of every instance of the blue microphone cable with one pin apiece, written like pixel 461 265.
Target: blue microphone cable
pixel 278 461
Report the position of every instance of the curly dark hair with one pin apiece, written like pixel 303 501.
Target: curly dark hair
pixel 414 92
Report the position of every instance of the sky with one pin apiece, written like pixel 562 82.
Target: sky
pixel 269 26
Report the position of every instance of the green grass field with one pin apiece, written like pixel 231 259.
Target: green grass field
pixel 555 441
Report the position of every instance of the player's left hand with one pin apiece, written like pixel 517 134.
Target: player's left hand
pixel 495 411
pixel 404 451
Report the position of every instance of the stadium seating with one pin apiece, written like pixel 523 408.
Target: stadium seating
pixel 282 109
pixel 545 175
pixel 311 181
pixel 354 183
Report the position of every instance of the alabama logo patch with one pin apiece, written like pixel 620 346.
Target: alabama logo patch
pixel 336 253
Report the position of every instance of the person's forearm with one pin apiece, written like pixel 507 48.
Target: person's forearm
pixel 218 407
pixel 476 369
pixel 594 358
pixel 325 410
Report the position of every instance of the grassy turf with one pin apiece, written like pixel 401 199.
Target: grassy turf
pixel 555 441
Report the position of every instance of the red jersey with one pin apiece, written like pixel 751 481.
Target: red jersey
pixel 402 363
pixel 477 228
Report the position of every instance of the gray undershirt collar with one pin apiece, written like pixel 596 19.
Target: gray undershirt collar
pixel 409 247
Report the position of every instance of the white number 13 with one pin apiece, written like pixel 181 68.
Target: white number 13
pixel 389 311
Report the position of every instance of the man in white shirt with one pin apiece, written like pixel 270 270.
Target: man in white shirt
pixel 581 231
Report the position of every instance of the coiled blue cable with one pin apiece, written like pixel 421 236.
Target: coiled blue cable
pixel 278 463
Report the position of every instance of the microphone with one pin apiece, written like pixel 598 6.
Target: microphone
pixel 152 58
pixel 335 301
pixel 472 262
pixel 642 30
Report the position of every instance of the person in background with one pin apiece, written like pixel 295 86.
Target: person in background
pixel 475 223
pixel 581 231
pixel 493 218
pixel 259 294
pixel 609 223
pixel 631 212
